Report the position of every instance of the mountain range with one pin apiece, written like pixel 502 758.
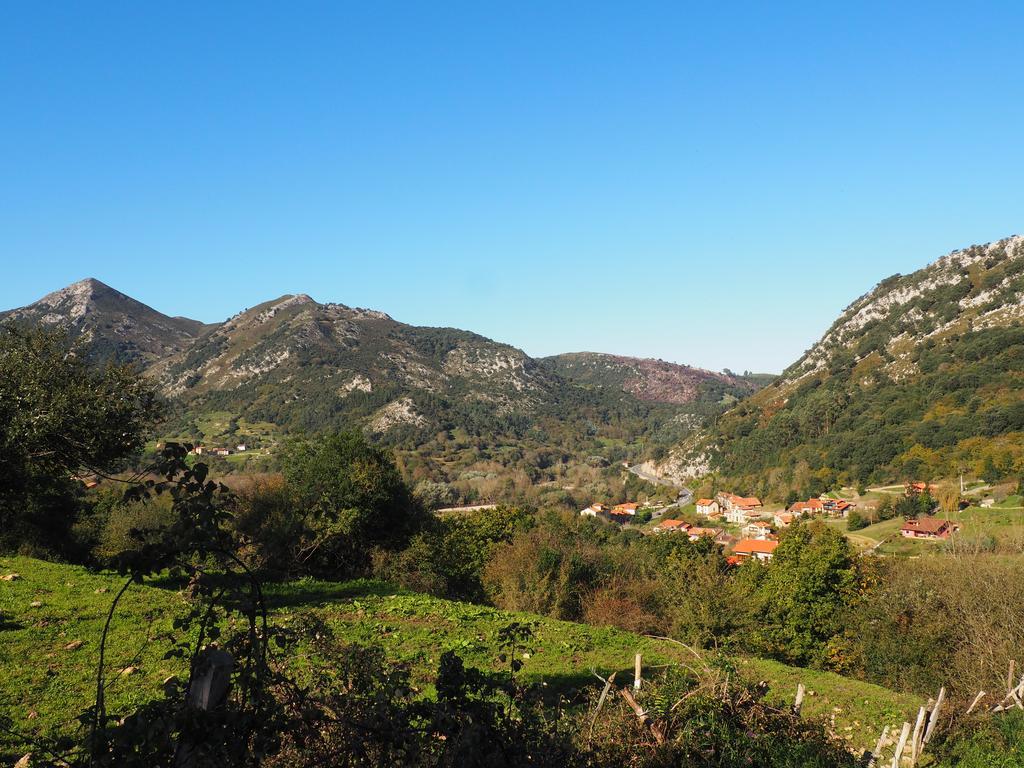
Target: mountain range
pixel 299 364
pixel 923 376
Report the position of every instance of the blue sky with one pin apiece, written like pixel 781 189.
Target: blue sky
pixel 708 183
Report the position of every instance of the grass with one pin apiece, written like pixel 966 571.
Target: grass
pixel 213 424
pixel 38 675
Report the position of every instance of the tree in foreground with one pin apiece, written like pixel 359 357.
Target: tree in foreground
pixel 60 417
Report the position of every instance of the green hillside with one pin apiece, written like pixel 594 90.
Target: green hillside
pixel 51 607
pixel 919 378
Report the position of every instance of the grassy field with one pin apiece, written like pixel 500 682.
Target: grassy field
pixel 999 526
pixel 47 678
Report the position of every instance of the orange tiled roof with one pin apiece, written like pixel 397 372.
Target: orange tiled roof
pixel 754 546
pixel 669 524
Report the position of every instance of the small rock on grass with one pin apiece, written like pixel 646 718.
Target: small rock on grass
pixel 35 604
pixel 74 645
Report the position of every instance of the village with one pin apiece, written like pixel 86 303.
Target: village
pixel 746 529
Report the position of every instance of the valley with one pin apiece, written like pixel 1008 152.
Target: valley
pixel 431 496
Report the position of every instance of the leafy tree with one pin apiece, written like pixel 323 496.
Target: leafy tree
pixel 806 587
pixel 60 416
pixel 856 521
pixel 350 497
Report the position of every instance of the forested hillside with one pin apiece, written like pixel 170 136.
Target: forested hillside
pixel 921 377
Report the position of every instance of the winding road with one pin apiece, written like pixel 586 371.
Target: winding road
pixel 685 494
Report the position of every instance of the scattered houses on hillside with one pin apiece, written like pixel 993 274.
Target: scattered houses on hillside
pixel 821 506
pixel 620 513
pixel 754 548
pixel 928 528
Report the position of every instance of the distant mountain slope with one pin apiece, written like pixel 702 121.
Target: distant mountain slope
pixel 115 325
pixel 650 380
pixel 296 362
pixel 463 406
pixel 923 376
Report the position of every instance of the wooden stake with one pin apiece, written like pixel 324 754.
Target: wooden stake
pixel 636 672
pixel 979 697
pixel 600 702
pixel 871 757
pixel 1009 676
pixel 656 730
pixel 934 718
pixel 916 737
pixel 799 701
pixel 901 745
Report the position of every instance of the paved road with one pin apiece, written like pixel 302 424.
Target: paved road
pixel 685 494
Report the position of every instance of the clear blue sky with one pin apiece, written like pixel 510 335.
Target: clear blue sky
pixel 706 183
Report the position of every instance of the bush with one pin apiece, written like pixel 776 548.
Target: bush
pixel 855 521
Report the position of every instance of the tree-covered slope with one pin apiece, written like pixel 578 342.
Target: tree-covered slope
pixel 921 377
pixel 652 380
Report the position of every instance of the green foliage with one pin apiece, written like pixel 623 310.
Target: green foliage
pixel 60 415
pixel 803 594
pixel 350 498
pixel 995 741
pixel 856 521
pixel 903 632
pixel 448 557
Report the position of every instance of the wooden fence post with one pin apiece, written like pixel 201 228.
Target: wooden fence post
pixel 901 745
pixel 799 701
pixel 207 690
pixel 934 718
pixel 871 757
pixel 600 703
pixel 979 697
pixel 637 672
pixel 915 738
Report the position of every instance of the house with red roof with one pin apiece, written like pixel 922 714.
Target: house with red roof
pixel 928 528
pixel 672 526
pixel 809 507
pixel 757 549
pixel 697 533
pixel 783 519
pixel 708 508
pixel 629 508
pixel 757 529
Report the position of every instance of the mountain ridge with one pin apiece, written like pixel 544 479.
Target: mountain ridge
pixel 305 365
pixel 917 377
pixel 113 323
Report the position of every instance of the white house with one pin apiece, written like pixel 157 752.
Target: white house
pixel 758 529
pixel 708 507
